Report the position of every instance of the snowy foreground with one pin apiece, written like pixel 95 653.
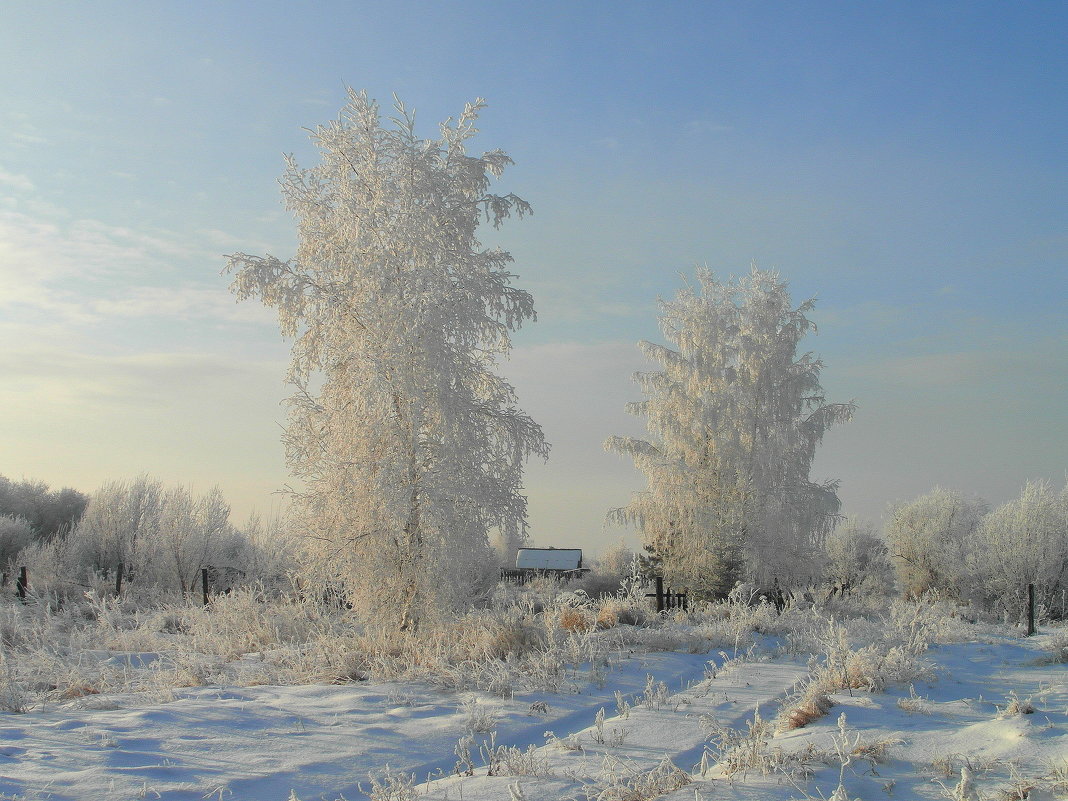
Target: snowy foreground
pixel 988 720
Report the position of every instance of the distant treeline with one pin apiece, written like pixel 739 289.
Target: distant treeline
pixel 47 512
pixel 31 513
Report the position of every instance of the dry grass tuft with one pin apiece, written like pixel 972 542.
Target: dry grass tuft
pixel 576 620
pixel 1016 707
pixel 810 705
pixel 914 703
pixel 621 781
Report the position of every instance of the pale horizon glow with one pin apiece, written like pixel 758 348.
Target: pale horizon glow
pixel 903 164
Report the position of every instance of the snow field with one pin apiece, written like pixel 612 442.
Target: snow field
pixel 990 723
pixel 924 697
pixel 262 742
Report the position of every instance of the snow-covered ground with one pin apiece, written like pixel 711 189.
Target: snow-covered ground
pixel 323 741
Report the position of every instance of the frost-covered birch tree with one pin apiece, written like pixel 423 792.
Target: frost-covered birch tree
pixel 734 417
pixel 407 445
pixel 929 539
pixel 1021 542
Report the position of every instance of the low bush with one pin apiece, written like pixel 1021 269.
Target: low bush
pixel 621 781
pixel 893 660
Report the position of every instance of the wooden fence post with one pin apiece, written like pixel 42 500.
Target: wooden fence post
pixel 1030 609
pixel 118 579
pixel 22 583
pixel 204 584
pixel 659 594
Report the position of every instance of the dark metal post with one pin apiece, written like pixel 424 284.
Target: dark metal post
pixel 22 583
pixel 1030 609
pixel 204 583
pixel 118 579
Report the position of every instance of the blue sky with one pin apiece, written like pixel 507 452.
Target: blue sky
pixel 902 162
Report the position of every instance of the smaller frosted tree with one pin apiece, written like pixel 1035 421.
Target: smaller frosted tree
pixel 857 558
pixel 162 536
pixel 734 417
pixel 194 532
pixel 1024 541
pixel 929 539
pixel 120 524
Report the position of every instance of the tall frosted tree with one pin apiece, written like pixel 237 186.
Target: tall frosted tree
pixel 734 417
pixel 408 447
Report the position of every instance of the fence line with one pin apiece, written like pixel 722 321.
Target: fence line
pixel 668 600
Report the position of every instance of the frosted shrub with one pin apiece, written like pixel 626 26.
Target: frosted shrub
pixel 570 613
pixel 916 624
pixel 478 718
pixel 871 668
pixel 510 635
pixel 576 619
pixel 1024 541
pixel 810 704
pixel 928 542
pixel 857 559
pixel 736 750
pixel 616 610
pixel 504 760
pixel 734 621
pixel 13 697
pixel 391 785
pixel 1057 645
pixel 245 621
pixel 655 694
pixel 15 534
pixel 914 703
pixel 58 650
pixel 1015 707
pixel 621 781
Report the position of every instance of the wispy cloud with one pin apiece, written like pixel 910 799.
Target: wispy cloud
pixel 180 304
pixel 65 376
pixel 85 271
pixel 20 130
pixel 18 182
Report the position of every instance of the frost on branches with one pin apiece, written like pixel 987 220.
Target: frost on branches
pixel 734 417
pixel 408 446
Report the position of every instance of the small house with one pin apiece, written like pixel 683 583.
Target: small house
pixel 562 563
